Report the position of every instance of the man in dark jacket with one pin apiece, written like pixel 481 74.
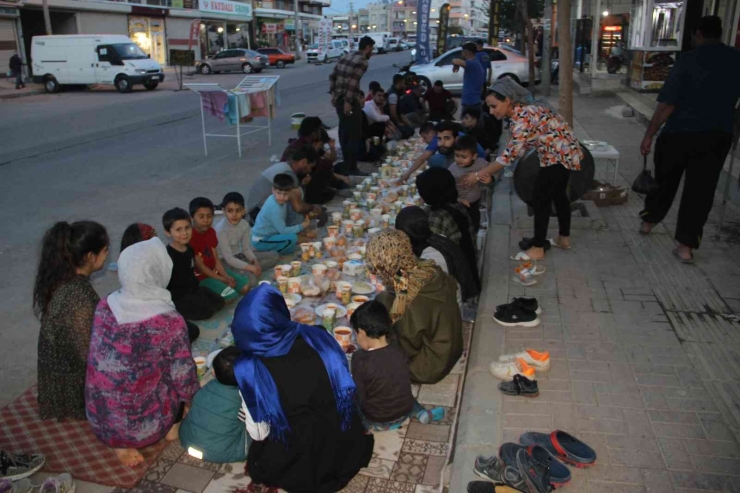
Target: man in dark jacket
pixel 16 67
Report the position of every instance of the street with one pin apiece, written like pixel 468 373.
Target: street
pixel 118 159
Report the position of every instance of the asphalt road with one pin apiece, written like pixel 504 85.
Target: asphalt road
pixel 118 159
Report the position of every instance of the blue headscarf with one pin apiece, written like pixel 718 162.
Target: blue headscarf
pixel 262 328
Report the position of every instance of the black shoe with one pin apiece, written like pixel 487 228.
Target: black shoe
pixel 536 475
pixel 525 303
pixel 513 316
pixel 521 385
pixel 526 243
pixel 508 452
pixel 481 487
pixel 494 469
pixel 559 474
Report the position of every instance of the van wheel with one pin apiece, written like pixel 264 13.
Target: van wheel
pixel 50 84
pixel 150 86
pixel 205 69
pixel 280 64
pixel 123 84
pixel 247 68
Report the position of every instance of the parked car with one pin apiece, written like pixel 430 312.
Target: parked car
pixel 233 60
pixel 336 49
pixel 92 59
pixel 277 57
pixel 393 44
pixel 403 45
pixel 505 64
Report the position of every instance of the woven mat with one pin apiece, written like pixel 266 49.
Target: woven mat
pixel 69 446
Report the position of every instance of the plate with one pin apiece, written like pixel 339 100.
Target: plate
pixel 341 311
pixel 296 298
pixel 361 287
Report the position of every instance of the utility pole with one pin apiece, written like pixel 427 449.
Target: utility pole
pixel 565 57
pixel 47 17
pixel 546 49
pixel 296 31
pixel 351 13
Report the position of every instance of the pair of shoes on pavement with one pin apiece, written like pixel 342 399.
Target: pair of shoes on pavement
pixel 525 273
pixel 521 471
pixel 523 364
pixel 521 312
pixel 520 385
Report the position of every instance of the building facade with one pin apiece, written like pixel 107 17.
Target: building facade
pixel 379 16
pixel 403 18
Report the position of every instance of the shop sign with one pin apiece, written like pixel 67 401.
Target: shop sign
pixel 325 26
pixel 243 10
pixel 178 4
pixel 289 24
pixel 6 11
pixel 270 28
pixel 194 33
pixel 183 58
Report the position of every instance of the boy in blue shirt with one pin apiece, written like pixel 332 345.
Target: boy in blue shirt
pixel 473 78
pixel 270 232
pixel 212 430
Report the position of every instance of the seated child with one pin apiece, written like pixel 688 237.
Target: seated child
pixel 135 233
pixel 209 270
pixel 212 431
pixel 235 241
pixel 270 233
pixel 466 163
pixel 193 301
pixel 428 134
pixel 477 125
pixel 381 373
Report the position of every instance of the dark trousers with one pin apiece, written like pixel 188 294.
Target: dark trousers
pixel 474 213
pixel 19 79
pixel 193 331
pixel 200 305
pixel 701 156
pixel 350 135
pixel 550 187
pixel 321 177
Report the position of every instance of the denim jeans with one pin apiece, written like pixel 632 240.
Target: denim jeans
pixel 350 135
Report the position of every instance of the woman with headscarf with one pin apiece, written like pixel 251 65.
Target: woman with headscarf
pixel 140 372
pixel 299 399
pixel 447 216
pixel 429 246
pixel 423 308
pixel 535 125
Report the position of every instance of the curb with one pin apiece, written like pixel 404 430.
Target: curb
pixel 21 94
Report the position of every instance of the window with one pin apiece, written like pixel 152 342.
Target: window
pixel 496 55
pixel 447 59
pixel 104 54
pixel 223 54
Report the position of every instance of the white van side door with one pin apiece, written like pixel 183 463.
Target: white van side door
pixel 80 61
pixel 104 69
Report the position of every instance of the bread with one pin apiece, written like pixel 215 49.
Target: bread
pixel 304 316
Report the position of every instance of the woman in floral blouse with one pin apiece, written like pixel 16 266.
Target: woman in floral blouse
pixel 536 126
pixel 140 372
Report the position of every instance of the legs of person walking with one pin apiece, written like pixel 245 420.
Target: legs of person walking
pixel 343 133
pixel 562 204
pixel 551 186
pixel 704 165
pixel 19 80
pixel 350 135
pixel 670 162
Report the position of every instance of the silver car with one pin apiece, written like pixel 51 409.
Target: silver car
pixel 233 60
pixel 505 63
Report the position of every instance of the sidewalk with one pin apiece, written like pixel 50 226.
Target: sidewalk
pixel 646 367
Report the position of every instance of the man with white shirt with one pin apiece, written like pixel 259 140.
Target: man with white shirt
pixel 378 121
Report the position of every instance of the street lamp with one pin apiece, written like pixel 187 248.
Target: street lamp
pixel 220 30
pixel 354 26
pixel 605 13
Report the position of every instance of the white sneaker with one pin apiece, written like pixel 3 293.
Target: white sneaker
pixel 539 360
pixel 20 486
pixel 506 370
pixel 59 484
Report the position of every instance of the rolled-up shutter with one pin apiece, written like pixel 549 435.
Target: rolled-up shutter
pixel 8 45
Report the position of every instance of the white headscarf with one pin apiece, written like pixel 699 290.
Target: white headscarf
pixel 144 270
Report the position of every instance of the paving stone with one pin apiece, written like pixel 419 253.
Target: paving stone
pixel 647 444
pixel 554 396
pixel 658 380
pixel 636 458
pixel 715 427
pixel 701 481
pixel 602 426
pixel 520 421
pixel 638 423
pixel 617 474
pixel 675 430
pixel 712 448
pixel 675 454
pixel 529 406
pixel 563 416
pixel 718 465
pixel 673 417
pixel 603 487
pixel 590 376
pixel 583 393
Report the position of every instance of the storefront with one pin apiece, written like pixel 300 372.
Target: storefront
pixel 146 26
pixel 224 24
pixel 8 36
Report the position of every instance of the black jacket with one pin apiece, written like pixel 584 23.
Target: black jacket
pixel 15 63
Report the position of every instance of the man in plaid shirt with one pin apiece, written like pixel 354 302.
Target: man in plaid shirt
pixel 345 93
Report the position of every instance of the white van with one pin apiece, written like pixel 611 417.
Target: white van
pixel 92 59
pixel 336 48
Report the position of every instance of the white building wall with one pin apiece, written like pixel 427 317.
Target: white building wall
pixel 102 23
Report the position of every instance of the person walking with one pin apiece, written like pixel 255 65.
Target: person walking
pixel 697 105
pixel 485 61
pixel 473 77
pixel 345 91
pixel 16 68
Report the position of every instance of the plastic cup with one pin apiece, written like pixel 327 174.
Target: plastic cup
pixel 371 196
pixel 200 366
pixel 372 231
pixel 346 293
pixel 285 268
pixel 360 299
pixel 339 285
pixel 294 285
pixel 343 335
pixel 319 270
pixel 347 227
pixel 329 243
pixel 282 284
pixel 384 220
pixel 358 229
pixel 370 202
pixel 331 264
pixel 351 309
pixel 333 231
pixel 329 316
pixel 355 214
pixel 317 249
pixel 295 270
pixel 278 271
pixel 336 217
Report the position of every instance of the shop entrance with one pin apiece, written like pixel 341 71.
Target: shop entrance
pixel 148 34
pixel 32 23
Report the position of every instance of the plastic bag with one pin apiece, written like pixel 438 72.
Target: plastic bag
pixel 645 183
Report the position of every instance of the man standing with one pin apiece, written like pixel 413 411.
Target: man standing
pixel 485 62
pixel 473 77
pixel 16 67
pixel 698 106
pixel 345 90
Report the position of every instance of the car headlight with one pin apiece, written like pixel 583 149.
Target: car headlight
pixel 142 71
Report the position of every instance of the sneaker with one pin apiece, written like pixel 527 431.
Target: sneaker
pixel 523 303
pixel 536 475
pixel 540 360
pixel 20 486
pixel 493 469
pixel 521 385
pixel 18 466
pixel 513 316
pixel 505 371
pixel 59 484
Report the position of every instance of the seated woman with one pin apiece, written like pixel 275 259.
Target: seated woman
pixel 140 371
pixel 447 216
pixel 424 310
pixel 299 399
pixel 446 254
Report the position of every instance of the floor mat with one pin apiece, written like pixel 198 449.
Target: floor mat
pixel 69 446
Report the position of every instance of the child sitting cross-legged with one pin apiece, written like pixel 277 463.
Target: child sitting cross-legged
pixel 235 241
pixel 270 232
pixel 212 430
pixel 381 373
pixel 468 163
pixel 209 269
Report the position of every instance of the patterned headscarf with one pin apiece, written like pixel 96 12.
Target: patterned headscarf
pixel 390 254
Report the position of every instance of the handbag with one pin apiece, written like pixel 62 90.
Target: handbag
pixel 645 183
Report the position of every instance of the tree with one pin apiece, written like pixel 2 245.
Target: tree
pixel 565 52
pixel 529 33
pixel 508 20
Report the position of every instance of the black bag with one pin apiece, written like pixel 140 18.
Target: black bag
pixel 645 183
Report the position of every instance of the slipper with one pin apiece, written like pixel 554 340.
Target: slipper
pixel 562 445
pixel 520 256
pixel 431 415
pixel 689 260
pixel 524 282
pixel 557 245
pixel 532 268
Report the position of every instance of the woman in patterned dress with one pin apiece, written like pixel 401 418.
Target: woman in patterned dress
pixel 65 301
pixel 140 372
pixel 534 124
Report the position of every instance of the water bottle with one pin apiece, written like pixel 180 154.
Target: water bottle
pixel 483 217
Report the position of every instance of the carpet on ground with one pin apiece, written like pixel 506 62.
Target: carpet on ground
pixel 69 446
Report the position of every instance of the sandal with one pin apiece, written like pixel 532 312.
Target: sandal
pixel 562 445
pixel 689 260
pixel 532 267
pixel 520 256
pixel 557 245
